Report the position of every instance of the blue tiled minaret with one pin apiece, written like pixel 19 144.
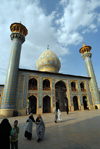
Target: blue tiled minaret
pixel 86 55
pixel 18 34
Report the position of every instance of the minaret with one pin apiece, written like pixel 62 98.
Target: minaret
pixel 86 55
pixel 18 34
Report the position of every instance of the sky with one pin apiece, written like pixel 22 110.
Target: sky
pixel 62 24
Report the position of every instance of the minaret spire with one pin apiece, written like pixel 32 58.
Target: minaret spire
pixel 18 34
pixel 86 55
pixel 47 47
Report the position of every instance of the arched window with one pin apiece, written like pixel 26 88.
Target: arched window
pixel 82 86
pixel 33 84
pixel 46 84
pixel 73 86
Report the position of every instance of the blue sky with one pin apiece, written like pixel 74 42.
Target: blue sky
pixel 62 24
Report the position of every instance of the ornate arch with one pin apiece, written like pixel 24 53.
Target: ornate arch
pixel 58 80
pixel 46 95
pixel 29 95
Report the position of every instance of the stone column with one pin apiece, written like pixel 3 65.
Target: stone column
pixel 9 95
pixel 86 55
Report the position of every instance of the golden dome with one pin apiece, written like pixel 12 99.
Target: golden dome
pixel 48 61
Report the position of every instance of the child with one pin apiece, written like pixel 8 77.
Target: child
pixel 14 137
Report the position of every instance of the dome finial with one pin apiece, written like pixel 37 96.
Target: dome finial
pixel 47 46
pixel 84 44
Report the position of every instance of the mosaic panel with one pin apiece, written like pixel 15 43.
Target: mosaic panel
pixel 20 94
pixel 46 95
pixel 25 92
pixel 80 92
pixel 34 94
pixel 8 106
pixel 53 92
pixel 40 92
pixel 70 92
pixel 89 94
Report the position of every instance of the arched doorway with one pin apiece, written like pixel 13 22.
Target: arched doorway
pixel 46 104
pixel 75 103
pixel 60 95
pixel 85 102
pixel 32 104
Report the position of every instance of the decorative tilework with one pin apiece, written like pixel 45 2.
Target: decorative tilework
pixel 49 61
pixel 46 95
pixel 53 92
pixel 9 94
pixel 89 94
pixel 90 72
pixel 8 106
pixel 25 92
pixel 20 92
pixel 40 92
pixel 80 92
pixel 70 92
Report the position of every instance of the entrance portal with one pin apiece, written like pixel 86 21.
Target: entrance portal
pixel 46 104
pixel 85 102
pixel 75 102
pixel 32 104
pixel 60 95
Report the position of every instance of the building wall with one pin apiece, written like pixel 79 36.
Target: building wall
pixel 23 93
pixel 1 94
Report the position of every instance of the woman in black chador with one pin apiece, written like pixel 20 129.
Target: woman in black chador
pixel 5 129
pixel 40 128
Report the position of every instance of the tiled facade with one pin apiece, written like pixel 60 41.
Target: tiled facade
pixel 23 93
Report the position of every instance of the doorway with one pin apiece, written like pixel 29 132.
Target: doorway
pixel 85 102
pixel 46 104
pixel 32 104
pixel 75 102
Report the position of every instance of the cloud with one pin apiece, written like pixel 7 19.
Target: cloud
pixel 77 15
pixel 58 29
pixel 40 32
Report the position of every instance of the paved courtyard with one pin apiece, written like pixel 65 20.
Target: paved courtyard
pixel 78 130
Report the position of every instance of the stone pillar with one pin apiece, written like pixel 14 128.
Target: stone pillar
pixel 9 95
pixel 40 106
pixel 80 97
pixel 70 96
pixel 86 55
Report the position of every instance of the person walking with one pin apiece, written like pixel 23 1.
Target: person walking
pixel 14 137
pixel 56 116
pixel 59 115
pixel 5 129
pixel 40 128
pixel 28 126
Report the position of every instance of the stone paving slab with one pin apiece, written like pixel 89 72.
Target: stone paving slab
pixel 78 130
